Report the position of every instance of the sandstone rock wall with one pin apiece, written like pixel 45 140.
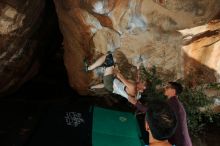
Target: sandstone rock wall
pixel 131 28
pixel 201 53
pixel 18 62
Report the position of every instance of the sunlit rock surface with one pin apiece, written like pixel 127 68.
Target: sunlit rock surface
pixel 201 53
pixel 131 28
pixel 18 21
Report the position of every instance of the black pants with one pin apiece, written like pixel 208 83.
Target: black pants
pixel 109 61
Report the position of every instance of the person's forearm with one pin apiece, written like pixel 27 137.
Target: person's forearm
pixel 137 104
pixel 122 79
pixel 140 107
pixel 120 76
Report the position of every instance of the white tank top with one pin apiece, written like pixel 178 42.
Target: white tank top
pixel 119 88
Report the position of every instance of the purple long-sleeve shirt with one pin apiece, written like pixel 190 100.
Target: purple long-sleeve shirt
pixel 181 136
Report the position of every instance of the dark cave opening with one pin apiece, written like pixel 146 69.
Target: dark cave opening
pixel 51 81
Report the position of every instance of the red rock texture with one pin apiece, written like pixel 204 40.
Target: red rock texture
pixel 131 28
pixel 128 27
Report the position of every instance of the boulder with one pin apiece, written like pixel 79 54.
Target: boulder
pixel 133 28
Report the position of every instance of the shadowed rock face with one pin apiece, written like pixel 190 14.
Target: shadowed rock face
pixel 201 52
pixel 131 28
pixel 29 38
pixel 18 51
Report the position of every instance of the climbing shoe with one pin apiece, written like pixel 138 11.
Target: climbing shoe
pixel 109 61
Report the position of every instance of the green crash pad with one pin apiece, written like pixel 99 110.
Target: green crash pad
pixel 114 128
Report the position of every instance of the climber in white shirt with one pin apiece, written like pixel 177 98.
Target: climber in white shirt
pixel 114 81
